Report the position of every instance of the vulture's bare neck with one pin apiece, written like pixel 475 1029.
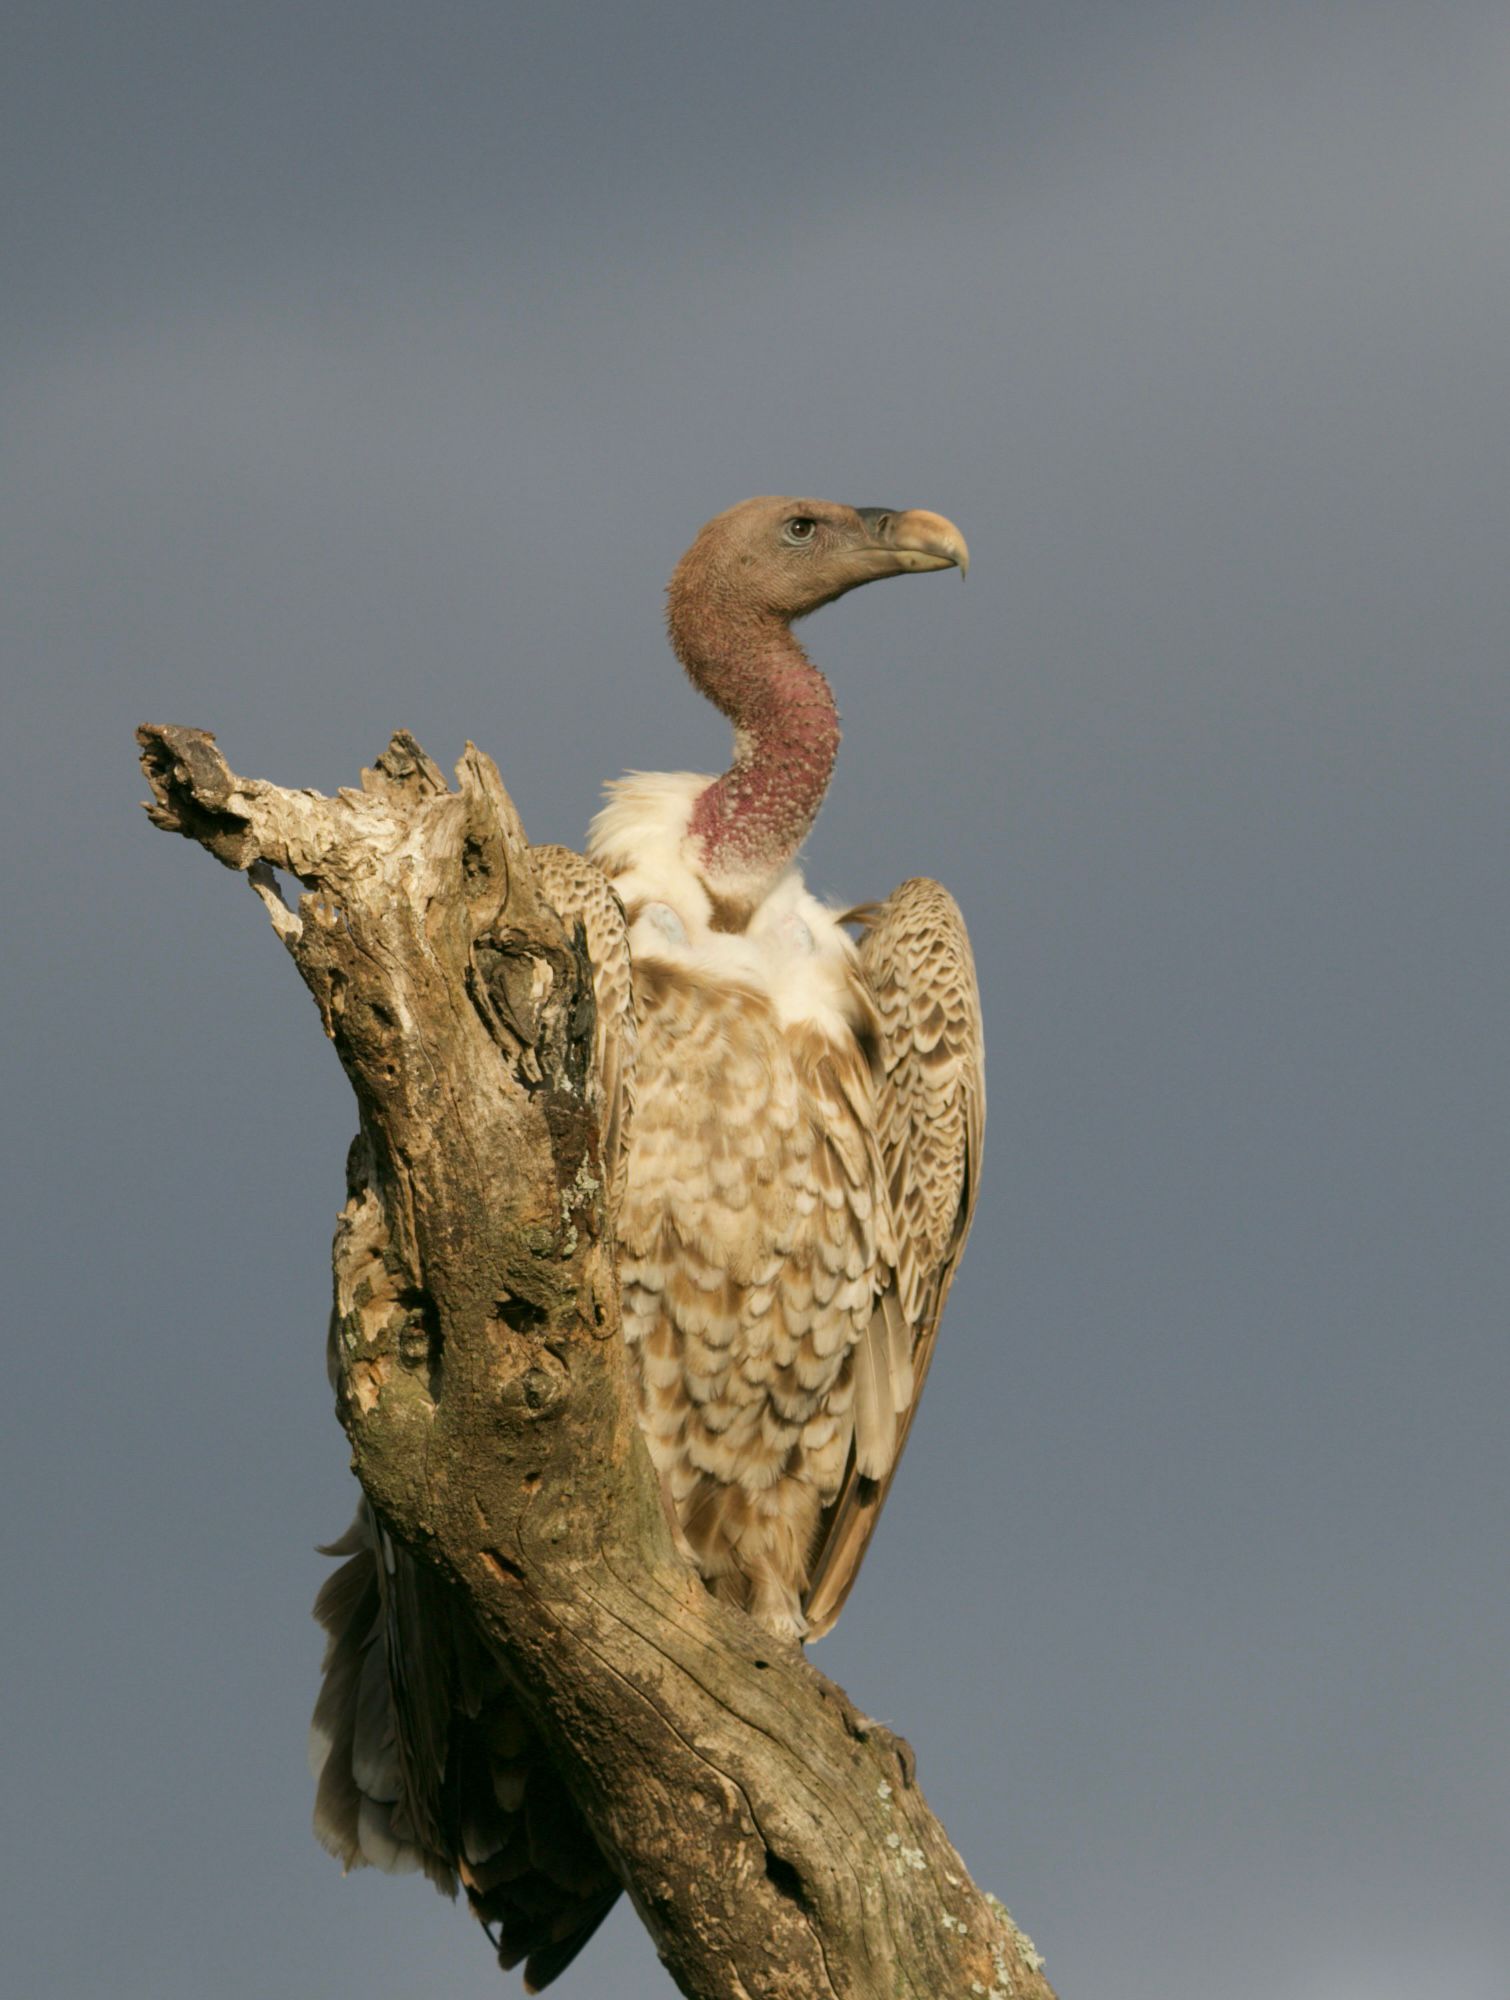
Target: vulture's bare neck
pixel 748 825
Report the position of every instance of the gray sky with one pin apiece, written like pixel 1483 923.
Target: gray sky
pixel 371 365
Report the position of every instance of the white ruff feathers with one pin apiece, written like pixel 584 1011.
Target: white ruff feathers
pixel 794 951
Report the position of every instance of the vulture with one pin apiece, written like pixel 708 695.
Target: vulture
pixel 792 1130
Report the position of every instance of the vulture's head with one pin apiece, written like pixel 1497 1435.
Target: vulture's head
pixel 783 558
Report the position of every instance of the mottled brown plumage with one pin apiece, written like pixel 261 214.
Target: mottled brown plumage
pixel 792 1129
pixel 917 966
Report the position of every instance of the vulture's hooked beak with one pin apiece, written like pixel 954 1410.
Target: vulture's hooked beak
pixel 913 541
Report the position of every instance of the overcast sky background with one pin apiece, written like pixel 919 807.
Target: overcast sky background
pixel 370 365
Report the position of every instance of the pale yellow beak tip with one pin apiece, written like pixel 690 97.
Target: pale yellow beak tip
pixel 934 537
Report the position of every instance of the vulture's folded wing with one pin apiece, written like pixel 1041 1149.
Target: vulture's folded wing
pixel 930 1118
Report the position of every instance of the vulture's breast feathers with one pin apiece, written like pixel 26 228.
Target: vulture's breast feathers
pixel 754 1233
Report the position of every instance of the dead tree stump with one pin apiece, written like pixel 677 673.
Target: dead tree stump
pixel 772 1839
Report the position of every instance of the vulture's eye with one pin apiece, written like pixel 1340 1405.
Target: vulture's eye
pixel 799 530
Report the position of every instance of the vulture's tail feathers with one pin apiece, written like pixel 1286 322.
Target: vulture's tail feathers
pixel 426 1760
pixel 360 1815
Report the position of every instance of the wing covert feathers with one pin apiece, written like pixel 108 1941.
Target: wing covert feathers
pixel 917 965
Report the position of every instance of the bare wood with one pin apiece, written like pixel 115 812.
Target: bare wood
pixel 773 1840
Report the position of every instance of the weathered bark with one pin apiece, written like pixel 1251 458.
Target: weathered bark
pixel 772 1839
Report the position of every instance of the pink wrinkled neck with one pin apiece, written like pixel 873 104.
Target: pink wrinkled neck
pixel 749 824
